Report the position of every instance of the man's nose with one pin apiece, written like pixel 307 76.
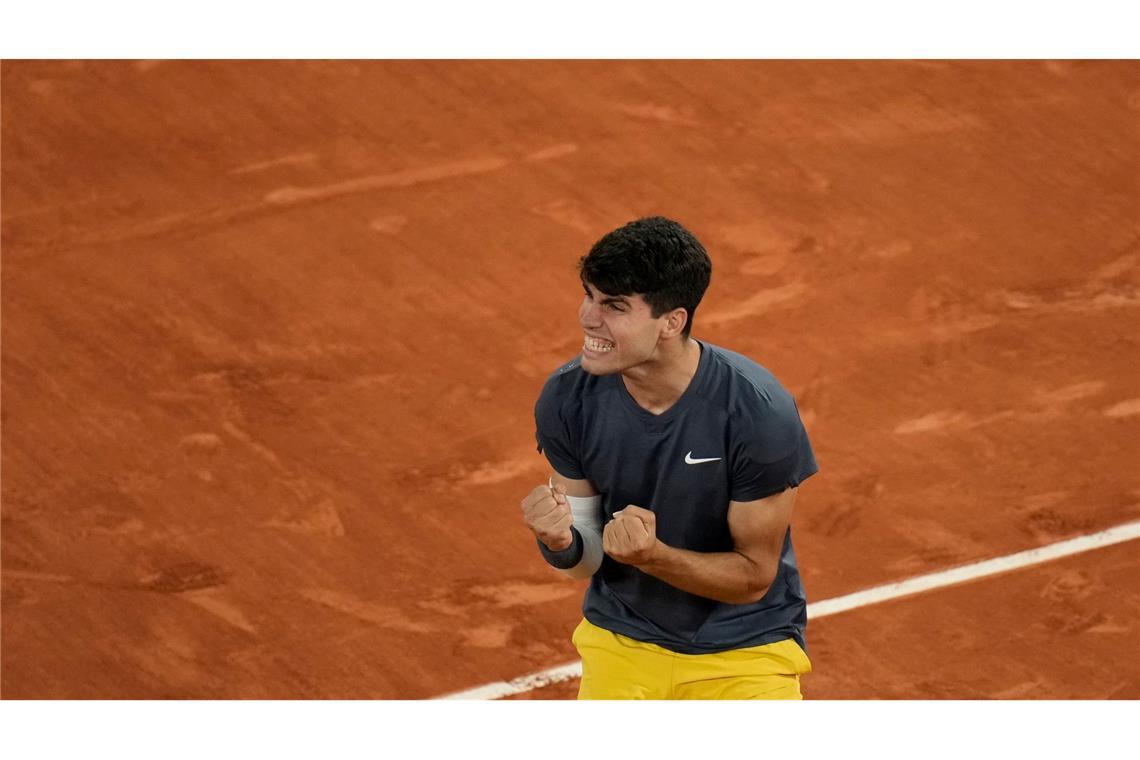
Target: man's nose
pixel 588 315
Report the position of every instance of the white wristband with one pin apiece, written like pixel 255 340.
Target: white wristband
pixel 586 512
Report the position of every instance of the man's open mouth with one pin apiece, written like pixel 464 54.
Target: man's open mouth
pixel 598 345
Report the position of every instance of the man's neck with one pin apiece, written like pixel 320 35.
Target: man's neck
pixel 658 383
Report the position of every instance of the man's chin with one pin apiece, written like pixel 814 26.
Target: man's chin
pixel 593 366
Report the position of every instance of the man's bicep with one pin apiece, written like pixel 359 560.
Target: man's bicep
pixel 772 455
pixel 758 527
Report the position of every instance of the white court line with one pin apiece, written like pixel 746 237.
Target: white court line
pixel 1119 534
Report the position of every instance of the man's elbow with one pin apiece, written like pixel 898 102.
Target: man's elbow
pixel 755 593
pixel 759 580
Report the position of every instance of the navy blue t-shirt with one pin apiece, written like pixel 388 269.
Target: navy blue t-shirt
pixel 738 419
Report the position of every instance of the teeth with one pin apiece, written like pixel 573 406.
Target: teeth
pixel 600 346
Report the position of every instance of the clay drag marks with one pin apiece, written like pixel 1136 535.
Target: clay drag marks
pixel 273 331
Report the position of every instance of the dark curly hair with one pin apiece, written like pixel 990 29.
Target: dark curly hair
pixel 655 257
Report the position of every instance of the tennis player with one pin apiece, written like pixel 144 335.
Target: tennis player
pixel 676 465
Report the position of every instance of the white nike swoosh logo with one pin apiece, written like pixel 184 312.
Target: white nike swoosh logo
pixel 689 459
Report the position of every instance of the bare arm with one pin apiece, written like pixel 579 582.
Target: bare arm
pixel 740 576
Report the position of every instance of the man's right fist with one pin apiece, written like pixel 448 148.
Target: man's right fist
pixel 547 513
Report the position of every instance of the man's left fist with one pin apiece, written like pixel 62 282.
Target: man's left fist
pixel 631 537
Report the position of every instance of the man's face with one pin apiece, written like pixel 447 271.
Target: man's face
pixel 620 331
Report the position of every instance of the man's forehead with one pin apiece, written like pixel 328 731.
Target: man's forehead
pixel 632 297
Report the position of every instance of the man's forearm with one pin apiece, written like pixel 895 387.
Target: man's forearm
pixel 728 577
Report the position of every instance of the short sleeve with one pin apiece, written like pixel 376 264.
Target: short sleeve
pixel 771 453
pixel 553 435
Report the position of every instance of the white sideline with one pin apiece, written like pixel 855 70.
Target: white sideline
pixel 1119 534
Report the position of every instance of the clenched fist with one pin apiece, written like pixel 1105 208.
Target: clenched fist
pixel 631 537
pixel 547 513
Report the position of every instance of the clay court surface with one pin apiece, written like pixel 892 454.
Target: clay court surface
pixel 273 332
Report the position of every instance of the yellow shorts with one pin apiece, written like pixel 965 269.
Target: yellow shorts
pixel 617 667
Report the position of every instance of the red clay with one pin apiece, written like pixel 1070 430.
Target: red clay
pixel 272 334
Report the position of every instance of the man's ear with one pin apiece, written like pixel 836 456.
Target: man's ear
pixel 675 321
